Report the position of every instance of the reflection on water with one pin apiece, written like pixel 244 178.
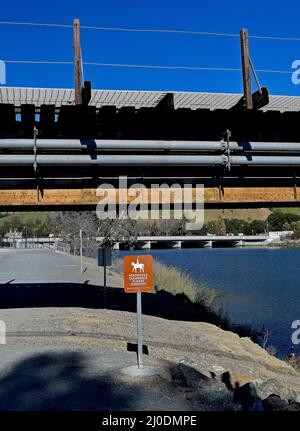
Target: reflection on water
pixel 260 287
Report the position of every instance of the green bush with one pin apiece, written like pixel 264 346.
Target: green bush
pixel 282 221
pixel 296 234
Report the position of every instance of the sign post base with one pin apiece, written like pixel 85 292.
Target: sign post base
pixel 135 371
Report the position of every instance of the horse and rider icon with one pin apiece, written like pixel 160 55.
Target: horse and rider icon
pixel 137 266
pixel 138 273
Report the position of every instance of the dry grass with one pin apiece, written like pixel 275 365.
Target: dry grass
pixel 248 214
pixel 173 280
pixel 176 282
pixel 294 362
pixel 30 216
pixel 117 265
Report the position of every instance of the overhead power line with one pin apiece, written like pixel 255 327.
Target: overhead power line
pixel 37 62
pixel 288 38
pixel 148 66
pixel 35 24
pixel 151 66
pixel 151 30
pixel 190 32
pixel 221 69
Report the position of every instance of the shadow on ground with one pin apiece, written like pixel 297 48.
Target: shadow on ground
pixel 57 381
pixel 162 304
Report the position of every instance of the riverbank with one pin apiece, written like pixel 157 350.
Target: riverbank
pixel 292 243
pixel 201 347
pixel 57 325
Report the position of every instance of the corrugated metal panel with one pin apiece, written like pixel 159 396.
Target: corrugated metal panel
pixel 138 99
pixel 283 103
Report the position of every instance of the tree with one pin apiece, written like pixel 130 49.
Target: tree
pixel 296 235
pixel 295 225
pixel 220 227
pixel 116 230
pixel 15 223
pixel 278 219
pixel 258 226
pixel 95 232
pixel 67 225
pixel 3 230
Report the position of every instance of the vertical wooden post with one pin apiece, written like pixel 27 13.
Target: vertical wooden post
pixel 246 68
pixel 77 61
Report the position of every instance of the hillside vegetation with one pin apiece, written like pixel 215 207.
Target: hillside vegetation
pixel 216 221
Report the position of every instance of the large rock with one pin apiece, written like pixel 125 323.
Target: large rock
pixel 247 397
pixel 275 404
pixel 234 380
pixel 205 393
pixel 277 387
pixel 189 377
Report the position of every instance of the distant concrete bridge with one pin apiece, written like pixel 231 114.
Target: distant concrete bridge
pixel 152 242
pixel 149 242
pixel 23 241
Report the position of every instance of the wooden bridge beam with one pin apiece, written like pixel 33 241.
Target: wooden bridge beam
pixel 62 197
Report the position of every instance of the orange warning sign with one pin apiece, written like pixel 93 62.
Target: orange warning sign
pixel 138 274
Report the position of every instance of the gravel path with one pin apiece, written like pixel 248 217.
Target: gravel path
pixel 69 358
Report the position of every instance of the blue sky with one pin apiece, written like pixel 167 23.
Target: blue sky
pixel 41 43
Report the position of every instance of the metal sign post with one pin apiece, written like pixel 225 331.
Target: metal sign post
pixel 138 278
pixel 139 329
pixel 81 256
pixel 104 260
pixel 104 283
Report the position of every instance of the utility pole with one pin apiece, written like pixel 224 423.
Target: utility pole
pixel 77 61
pixel 246 68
